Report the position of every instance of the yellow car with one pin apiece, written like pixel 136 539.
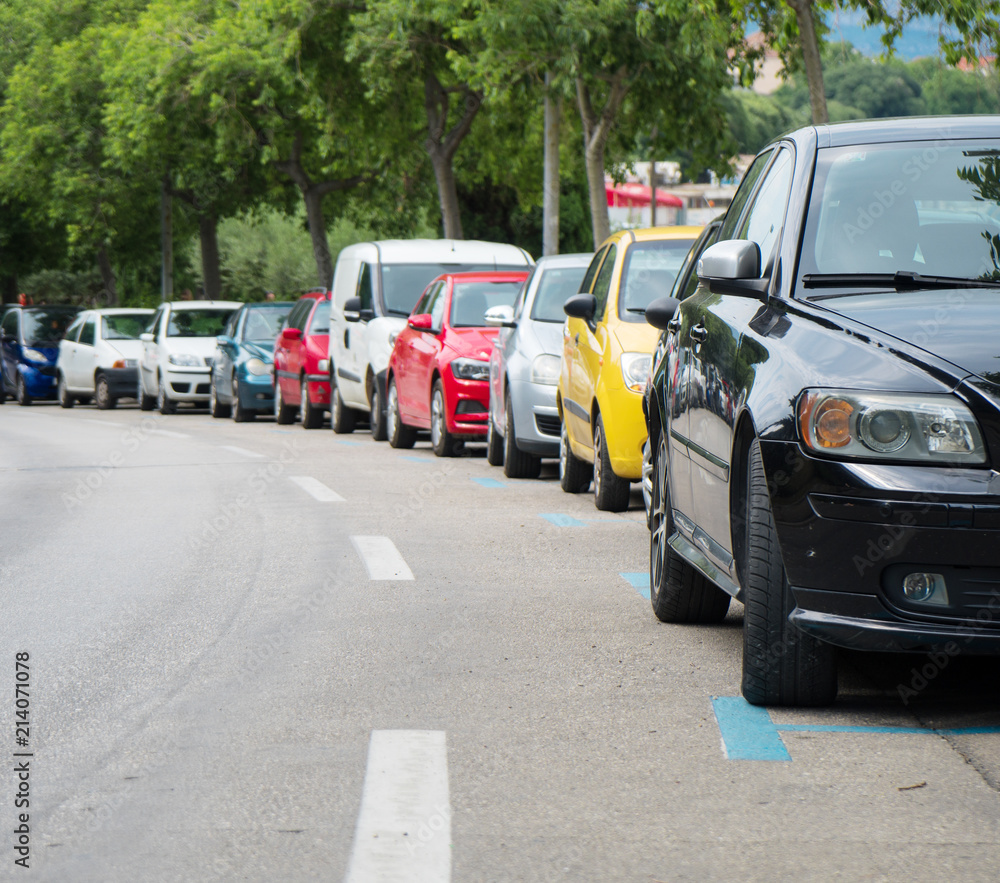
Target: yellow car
pixel 607 354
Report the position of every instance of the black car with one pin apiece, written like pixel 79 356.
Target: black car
pixel 825 414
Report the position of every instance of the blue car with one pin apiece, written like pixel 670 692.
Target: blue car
pixel 243 366
pixel 29 345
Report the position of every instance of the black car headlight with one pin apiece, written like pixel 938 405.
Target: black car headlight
pixel 890 426
pixel 470 369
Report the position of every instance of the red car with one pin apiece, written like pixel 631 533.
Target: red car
pixel 439 371
pixel 301 383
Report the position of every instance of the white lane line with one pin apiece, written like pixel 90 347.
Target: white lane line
pixel 241 451
pixel 97 422
pixel 404 827
pixel 168 433
pixel 316 489
pixel 381 558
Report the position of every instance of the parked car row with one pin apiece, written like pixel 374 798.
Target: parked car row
pixel 807 389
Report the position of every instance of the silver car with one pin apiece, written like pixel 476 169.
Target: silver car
pixel 524 367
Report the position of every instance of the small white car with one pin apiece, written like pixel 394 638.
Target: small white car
pixel 178 346
pixel 99 356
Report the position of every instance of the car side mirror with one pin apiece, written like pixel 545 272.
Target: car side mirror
pixel 581 306
pixel 146 337
pixel 421 322
pixel 224 340
pixel 500 316
pixel 660 313
pixel 352 309
pixel 290 334
pixel 733 267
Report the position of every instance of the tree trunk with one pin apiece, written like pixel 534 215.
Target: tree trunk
pixel 210 275
pixel 550 185
pixel 441 147
pixel 8 288
pixel 811 59
pixel 107 277
pixel 167 241
pixel 596 129
pixel 317 232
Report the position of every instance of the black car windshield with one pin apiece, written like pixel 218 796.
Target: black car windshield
pixel 197 323
pixel 123 326
pixel 45 326
pixel 555 287
pixel 402 284
pixel 471 300
pixel 262 323
pixel 649 272
pixel 920 215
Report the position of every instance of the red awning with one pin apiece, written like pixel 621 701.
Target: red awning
pixel 638 196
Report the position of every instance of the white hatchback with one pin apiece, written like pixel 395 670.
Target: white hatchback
pixel 178 346
pixel 99 356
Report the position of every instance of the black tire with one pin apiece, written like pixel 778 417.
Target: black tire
pixel 3 388
pixel 611 491
pixel 647 482
pixel 677 591
pixel 494 442
pixel 400 435
pixel 164 404
pixel 342 419
pixel 241 414
pixel 215 407
pixel 66 400
pixel 102 394
pixel 442 441
pixel 21 393
pixel 781 665
pixel 574 473
pixel 516 463
pixel 376 411
pixel 312 416
pixel 146 401
pixel 283 412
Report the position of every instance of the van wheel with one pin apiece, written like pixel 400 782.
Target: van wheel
pixel 377 414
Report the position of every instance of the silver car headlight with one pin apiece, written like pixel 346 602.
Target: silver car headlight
pixel 185 361
pixel 257 367
pixel 890 426
pixel 545 369
pixel 635 370
pixel 470 369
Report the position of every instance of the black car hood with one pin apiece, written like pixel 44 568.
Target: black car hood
pixel 959 325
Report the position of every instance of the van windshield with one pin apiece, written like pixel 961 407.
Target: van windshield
pixel 402 284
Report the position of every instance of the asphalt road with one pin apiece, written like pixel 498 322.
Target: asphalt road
pixel 264 653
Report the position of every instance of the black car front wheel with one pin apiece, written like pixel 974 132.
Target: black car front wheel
pixel 678 592
pixel 21 391
pixel 781 665
pixel 574 473
pixel 102 394
pixel 66 400
pixel 516 463
pixel 241 414
pixel 342 418
pixel 400 435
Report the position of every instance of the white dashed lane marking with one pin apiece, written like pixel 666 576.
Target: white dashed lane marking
pixel 243 452
pixel 381 557
pixel 404 827
pixel 169 433
pixel 316 489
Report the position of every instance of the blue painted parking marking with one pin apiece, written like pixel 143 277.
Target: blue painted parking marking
pixel 489 482
pixel 638 581
pixel 415 459
pixel 748 733
pixel 562 520
pixel 349 444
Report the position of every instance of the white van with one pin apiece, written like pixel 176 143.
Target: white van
pixel 375 286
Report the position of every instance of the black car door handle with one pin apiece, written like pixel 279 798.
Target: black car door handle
pixel 699 333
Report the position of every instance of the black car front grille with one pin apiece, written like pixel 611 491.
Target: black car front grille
pixel 548 425
pixel 203 389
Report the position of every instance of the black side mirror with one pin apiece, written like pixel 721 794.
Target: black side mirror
pixel 581 306
pixel 352 309
pixel 660 313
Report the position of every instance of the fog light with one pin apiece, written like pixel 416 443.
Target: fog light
pixel 928 588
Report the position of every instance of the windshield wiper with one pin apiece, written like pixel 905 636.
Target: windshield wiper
pixel 901 281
